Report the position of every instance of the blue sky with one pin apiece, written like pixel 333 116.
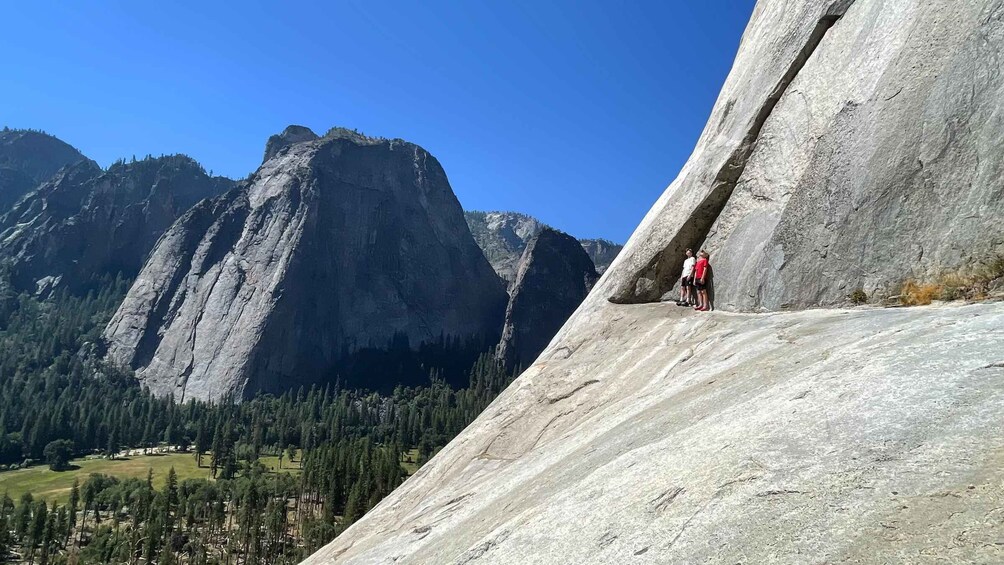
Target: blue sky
pixel 577 112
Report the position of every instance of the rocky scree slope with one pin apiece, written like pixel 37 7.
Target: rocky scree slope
pixel 333 246
pixel 554 276
pixel 645 433
pixel 27 159
pixel 85 222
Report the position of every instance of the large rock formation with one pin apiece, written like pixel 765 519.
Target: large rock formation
pixel 334 246
pixel 28 158
pixel 86 223
pixel 554 276
pixel 862 152
pixel 503 236
pixel 854 144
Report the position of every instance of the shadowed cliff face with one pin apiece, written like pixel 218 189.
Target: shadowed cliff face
pixel 553 278
pixel 646 433
pixel 334 247
pixel 85 223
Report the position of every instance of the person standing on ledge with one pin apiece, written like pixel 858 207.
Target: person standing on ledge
pixel 687 281
pixel 701 268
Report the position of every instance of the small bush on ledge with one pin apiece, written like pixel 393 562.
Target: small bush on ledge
pixel 858 297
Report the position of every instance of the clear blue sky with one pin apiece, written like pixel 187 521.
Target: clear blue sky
pixel 577 112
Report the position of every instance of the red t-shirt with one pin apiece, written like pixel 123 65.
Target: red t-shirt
pixel 701 268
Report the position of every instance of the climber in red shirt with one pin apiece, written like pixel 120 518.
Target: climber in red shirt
pixel 701 272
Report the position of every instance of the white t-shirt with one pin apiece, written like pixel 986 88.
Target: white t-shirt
pixel 688 266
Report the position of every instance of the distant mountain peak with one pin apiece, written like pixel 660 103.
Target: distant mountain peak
pixel 504 235
pixel 292 135
pixel 45 150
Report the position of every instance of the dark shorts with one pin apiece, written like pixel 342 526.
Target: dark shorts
pixel 700 286
pixel 686 281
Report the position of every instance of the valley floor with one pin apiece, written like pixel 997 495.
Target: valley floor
pixel 54 486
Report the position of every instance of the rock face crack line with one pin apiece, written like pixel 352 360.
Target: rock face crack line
pixel 665 268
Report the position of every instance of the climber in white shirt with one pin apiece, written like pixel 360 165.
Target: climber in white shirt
pixel 687 281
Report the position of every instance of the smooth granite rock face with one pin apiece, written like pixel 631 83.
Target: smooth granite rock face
pixel 27 159
pixel 647 433
pixel 554 276
pixel 86 223
pixel 333 245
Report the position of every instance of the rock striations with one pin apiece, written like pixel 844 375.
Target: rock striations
pixel 333 246
pixel 85 223
pixel 553 278
pixel 853 145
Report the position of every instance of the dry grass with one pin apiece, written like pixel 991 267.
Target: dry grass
pixel 916 294
pixel 973 284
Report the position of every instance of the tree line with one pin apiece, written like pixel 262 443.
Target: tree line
pixel 58 400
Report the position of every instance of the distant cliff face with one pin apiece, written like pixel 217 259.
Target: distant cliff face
pixel 601 251
pixel 85 223
pixel 503 236
pixel 334 246
pixel 28 158
pixel 554 276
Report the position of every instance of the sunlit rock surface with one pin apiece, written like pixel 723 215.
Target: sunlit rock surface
pixel 854 145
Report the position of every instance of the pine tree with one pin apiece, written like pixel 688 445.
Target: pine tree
pixel 113 443
pixel 72 509
pixel 22 516
pixel 36 531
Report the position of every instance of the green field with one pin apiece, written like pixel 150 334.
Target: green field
pixel 51 485
pixel 271 462
pixel 43 483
